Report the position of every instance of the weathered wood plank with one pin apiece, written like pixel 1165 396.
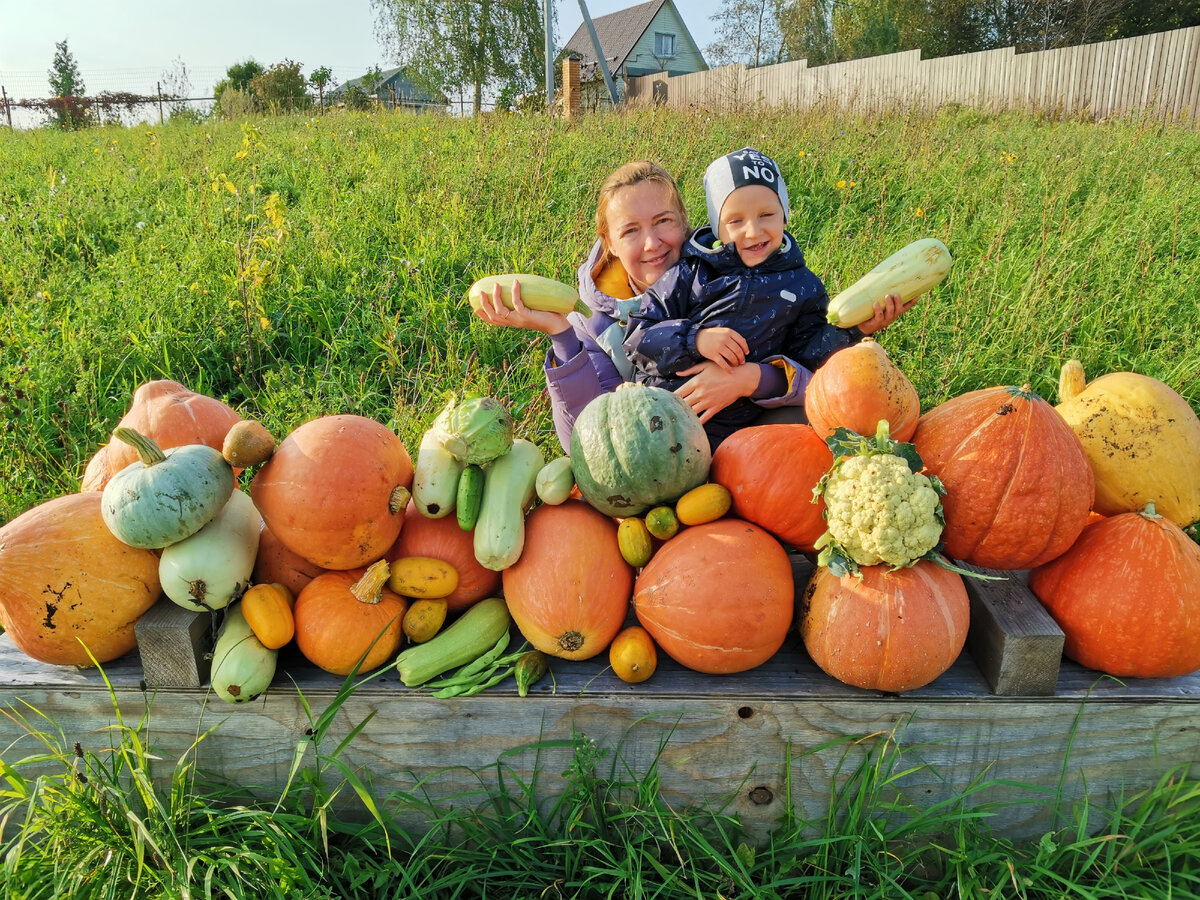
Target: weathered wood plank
pixel 175 645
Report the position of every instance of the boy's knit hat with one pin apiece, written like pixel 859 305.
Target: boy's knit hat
pixel 735 170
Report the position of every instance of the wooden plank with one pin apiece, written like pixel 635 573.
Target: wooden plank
pixel 175 645
pixel 1191 79
pixel 1016 644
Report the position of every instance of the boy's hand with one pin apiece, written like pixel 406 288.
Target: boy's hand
pixel 887 311
pixel 493 311
pixel 724 346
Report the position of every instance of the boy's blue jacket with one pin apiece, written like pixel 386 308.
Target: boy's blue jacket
pixel 778 306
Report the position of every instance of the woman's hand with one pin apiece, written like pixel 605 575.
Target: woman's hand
pixel 710 388
pixel 493 311
pixel 887 311
pixel 724 346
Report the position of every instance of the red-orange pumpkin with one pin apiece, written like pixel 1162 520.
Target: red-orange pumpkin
pixel 173 416
pixel 276 564
pixel 64 579
pixel 335 490
pixel 345 617
pixel 858 386
pixel 888 631
pixel 718 597
pixel 443 539
pixel 771 471
pixel 569 592
pixel 1019 486
pixel 1127 597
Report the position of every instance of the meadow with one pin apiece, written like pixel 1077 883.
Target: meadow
pixel 299 267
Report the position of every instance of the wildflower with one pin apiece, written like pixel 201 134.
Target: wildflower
pixel 802 153
pixel 841 184
pixel 919 213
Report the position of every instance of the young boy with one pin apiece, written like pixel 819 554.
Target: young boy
pixel 748 299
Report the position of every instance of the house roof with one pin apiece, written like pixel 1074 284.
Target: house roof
pixel 398 78
pixel 618 33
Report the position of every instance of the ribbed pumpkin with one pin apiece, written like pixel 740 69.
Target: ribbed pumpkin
pixel 343 616
pixel 443 539
pixel 569 592
pixel 275 563
pixel 637 447
pixel 717 598
pixel 170 414
pixel 771 471
pixel 889 630
pixel 1142 439
pixel 64 578
pixel 1127 596
pixel 335 490
pixel 858 386
pixel 1018 484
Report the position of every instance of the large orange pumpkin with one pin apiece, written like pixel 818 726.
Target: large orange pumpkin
pixel 173 416
pixel 888 630
pixel 66 583
pixel 348 618
pixel 569 592
pixel 276 564
pixel 1019 486
pixel 335 490
pixel 443 539
pixel 1127 597
pixel 858 386
pixel 718 597
pixel 771 470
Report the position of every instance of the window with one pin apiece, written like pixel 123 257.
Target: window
pixel 664 45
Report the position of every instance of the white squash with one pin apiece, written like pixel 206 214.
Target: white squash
pixel 213 566
pixel 910 271
pixel 242 666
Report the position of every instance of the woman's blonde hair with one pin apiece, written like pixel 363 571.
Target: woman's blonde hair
pixel 628 175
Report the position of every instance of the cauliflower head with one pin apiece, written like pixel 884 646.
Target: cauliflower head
pixel 880 511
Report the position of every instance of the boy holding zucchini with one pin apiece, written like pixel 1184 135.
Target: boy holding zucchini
pixel 747 297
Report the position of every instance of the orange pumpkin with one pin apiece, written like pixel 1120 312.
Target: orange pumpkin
pixel 348 618
pixel 443 539
pixel 335 490
pixel 858 386
pixel 1019 486
pixel 173 416
pixel 569 591
pixel 1127 597
pixel 718 597
pixel 64 579
pixel 889 630
pixel 276 564
pixel 771 471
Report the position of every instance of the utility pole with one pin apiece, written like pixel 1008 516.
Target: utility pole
pixel 587 20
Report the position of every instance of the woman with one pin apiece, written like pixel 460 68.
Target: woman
pixel 641 227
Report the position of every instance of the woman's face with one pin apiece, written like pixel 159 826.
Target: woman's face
pixel 645 231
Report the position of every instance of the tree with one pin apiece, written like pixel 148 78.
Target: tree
pixel 747 32
pixel 807 31
pixel 455 44
pixel 68 104
pixel 320 78
pixel 281 87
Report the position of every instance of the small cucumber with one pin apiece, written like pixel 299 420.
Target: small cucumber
pixel 470 496
pixel 555 481
pixel 474 633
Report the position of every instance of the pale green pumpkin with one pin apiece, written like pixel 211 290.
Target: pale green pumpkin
pixel 166 495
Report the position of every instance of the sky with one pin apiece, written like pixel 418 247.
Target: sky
pixel 131 45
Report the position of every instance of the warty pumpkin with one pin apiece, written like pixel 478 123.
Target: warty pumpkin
pixel 890 630
pixel 349 618
pixel 335 491
pixel 1019 487
pixel 717 597
pixel 67 583
pixel 569 592
pixel 442 539
pixel 1127 596
pixel 1142 439
pixel 770 471
pixel 856 388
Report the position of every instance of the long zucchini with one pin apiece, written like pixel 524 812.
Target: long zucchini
pixel 909 272
pixel 536 293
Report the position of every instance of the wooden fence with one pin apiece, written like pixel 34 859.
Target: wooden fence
pixel 1155 74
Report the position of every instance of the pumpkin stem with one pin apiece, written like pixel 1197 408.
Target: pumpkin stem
pixel 1071 380
pixel 369 588
pixel 1148 512
pixel 148 451
pixel 399 499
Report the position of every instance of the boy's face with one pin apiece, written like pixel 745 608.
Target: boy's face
pixel 752 220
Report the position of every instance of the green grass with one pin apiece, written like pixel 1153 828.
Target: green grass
pixel 124 257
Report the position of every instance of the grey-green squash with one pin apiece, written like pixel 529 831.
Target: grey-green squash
pixel 637 447
pixel 166 495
